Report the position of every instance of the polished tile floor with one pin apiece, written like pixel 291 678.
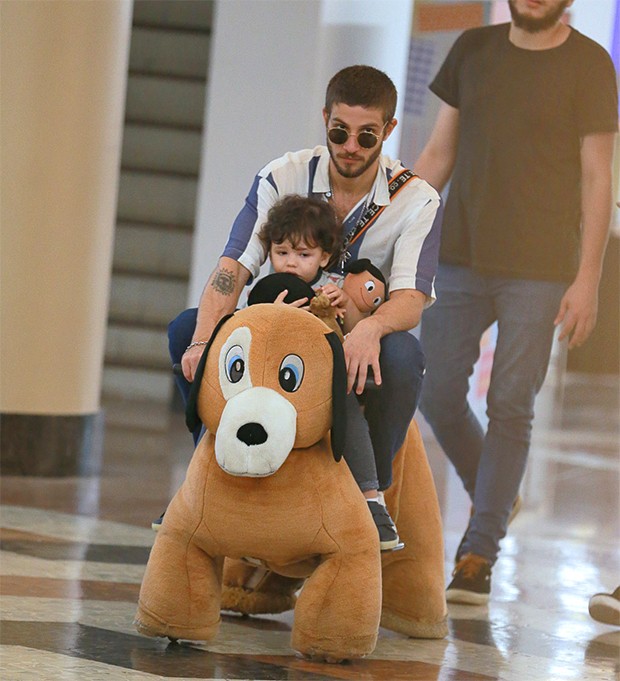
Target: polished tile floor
pixel 73 552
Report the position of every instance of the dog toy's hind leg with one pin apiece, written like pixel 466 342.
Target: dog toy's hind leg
pixel 413 579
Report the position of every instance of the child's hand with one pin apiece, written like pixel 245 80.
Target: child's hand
pixel 337 297
pixel 296 303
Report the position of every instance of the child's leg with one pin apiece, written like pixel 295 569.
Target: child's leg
pixel 360 458
pixel 359 454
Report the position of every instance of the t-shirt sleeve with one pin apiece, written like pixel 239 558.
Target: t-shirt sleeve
pixel 597 94
pixel 416 251
pixel 243 243
pixel 446 83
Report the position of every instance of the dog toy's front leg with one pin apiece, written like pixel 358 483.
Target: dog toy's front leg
pixel 180 592
pixel 338 611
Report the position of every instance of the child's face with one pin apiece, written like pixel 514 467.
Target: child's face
pixel 303 260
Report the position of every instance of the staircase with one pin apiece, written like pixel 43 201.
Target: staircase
pixel 157 193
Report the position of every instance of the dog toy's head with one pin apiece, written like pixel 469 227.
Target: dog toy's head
pixel 271 379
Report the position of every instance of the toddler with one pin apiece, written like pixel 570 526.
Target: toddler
pixel 302 236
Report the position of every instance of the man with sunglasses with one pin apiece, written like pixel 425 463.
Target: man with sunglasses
pixel 388 215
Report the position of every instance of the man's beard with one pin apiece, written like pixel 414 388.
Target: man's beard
pixel 533 25
pixel 353 172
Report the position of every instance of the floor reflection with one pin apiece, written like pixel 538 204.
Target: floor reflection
pixel 72 554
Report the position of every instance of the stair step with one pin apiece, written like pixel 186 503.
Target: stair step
pixel 168 149
pixel 137 384
pixel 165 51
pixel 136 415
pixel 137 346
pixel 158 99
pixel 146 300
pixel 152 249
pixel 148 197
pixel 182 14
pixel 161 155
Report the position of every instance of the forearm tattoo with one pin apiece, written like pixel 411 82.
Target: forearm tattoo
pixel 224 281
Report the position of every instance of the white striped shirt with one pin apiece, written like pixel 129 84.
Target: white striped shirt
pixel 403 242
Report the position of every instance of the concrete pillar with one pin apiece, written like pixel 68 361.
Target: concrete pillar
pixel 64 67
pixel 269 67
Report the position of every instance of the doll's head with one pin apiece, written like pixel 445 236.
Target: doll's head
pixel 365 285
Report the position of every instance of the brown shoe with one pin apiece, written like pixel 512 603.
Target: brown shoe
pixel 472 581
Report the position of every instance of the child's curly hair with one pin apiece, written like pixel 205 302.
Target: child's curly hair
pixel 300 218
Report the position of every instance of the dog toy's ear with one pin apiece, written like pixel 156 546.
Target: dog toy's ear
pixel 192 420
pixel 267 289
pixel 339 395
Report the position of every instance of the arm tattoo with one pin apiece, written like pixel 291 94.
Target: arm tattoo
pixel 224 281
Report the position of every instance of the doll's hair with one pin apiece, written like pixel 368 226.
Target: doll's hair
pixel 301 218
pixel 364 265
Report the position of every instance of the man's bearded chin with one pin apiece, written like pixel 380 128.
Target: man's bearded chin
pixel 534 25
pixel 358 171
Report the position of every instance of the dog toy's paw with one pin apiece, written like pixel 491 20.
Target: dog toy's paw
pixel 321 657
pixel 147 630
pixel 251 602
pixel 149 625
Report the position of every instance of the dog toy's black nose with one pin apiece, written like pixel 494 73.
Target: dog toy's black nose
pixel 252 434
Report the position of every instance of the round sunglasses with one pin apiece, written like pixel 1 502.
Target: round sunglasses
pixel 366 139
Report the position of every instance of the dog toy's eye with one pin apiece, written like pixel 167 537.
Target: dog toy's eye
pixel 370 286
pixel 377 301
pixel 291 373
pixel 235 364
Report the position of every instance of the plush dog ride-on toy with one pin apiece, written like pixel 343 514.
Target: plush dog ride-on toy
pixel 265 486
pixel 413 597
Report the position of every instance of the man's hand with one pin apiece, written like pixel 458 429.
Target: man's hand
pixel 578 311
pixel 361 350
pixel 190 360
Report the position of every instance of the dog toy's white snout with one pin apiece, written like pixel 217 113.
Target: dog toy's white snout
pixel 256 433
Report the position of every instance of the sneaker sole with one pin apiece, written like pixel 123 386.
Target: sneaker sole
pixel 605 610
pixel 466 597
pixel 387 547
pixel 155 527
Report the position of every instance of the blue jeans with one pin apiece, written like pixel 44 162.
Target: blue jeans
pixel 388 410
pixel 491 464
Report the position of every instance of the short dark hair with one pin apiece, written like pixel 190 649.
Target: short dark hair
pixel 301 218
pixel 362 86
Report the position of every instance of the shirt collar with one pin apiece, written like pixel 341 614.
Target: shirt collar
pixel 379 191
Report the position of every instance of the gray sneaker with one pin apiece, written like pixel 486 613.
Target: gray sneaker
pixel 388 535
